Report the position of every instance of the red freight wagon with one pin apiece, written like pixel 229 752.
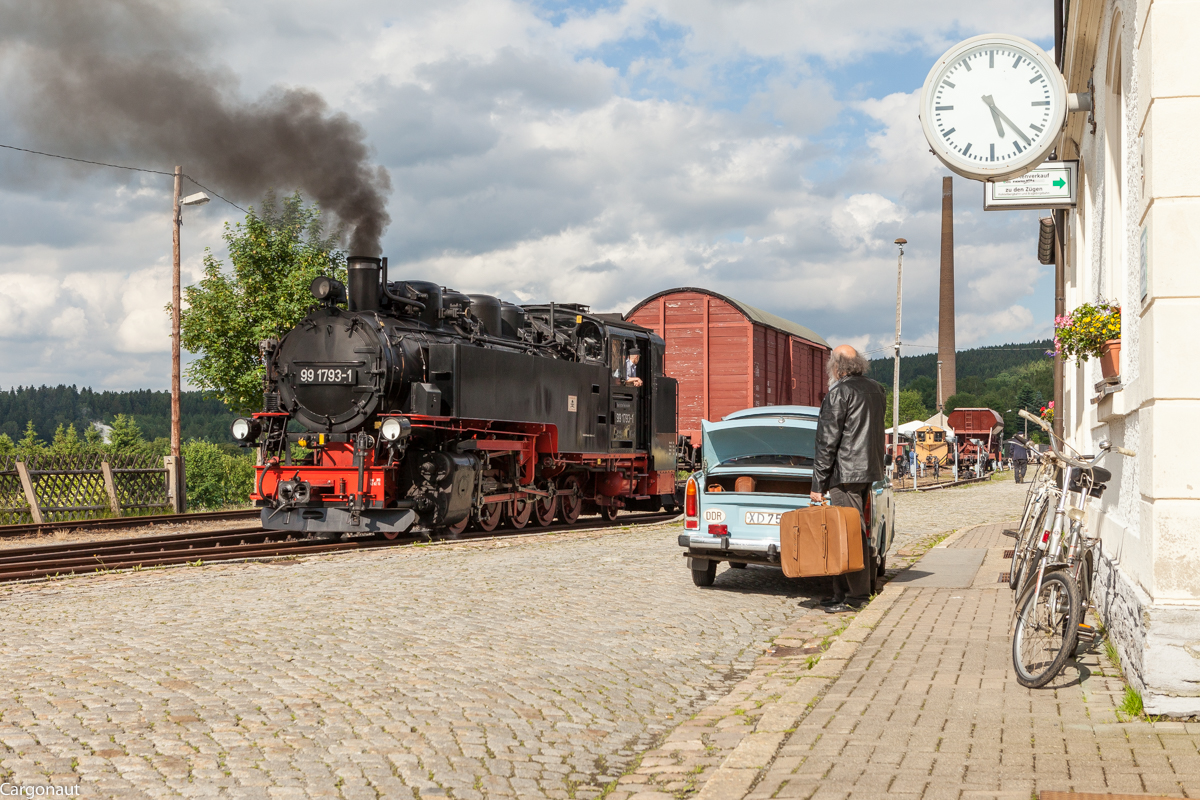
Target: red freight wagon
pixel 728 356
pixel 981 424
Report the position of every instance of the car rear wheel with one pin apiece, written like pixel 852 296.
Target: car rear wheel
pixel 704 576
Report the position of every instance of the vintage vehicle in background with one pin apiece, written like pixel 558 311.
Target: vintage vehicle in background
pixel 755 465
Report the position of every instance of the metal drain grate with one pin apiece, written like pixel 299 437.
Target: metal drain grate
pixel 1003 578
pixel 1008 553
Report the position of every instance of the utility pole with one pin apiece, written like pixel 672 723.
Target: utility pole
pixel 896 361
pixel 175 467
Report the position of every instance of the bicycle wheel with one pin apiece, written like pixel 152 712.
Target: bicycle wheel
pixel 1031 528
pixel 1046 629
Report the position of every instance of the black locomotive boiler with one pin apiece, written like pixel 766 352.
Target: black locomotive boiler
pixel 426 410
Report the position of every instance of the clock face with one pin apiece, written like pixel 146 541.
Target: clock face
pixel 992 107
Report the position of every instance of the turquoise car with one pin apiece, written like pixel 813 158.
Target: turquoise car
pixel 757 464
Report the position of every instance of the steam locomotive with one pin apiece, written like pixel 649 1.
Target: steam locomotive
pixel 424 410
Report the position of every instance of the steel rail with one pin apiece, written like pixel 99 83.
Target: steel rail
pixel 127 522
pixel 42 561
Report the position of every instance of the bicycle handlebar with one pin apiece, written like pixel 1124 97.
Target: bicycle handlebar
pixel 1041 423
pixel 1045 426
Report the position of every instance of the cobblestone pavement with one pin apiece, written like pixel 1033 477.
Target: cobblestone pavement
pixel 920 515
pixel 518 668
pixel 529 667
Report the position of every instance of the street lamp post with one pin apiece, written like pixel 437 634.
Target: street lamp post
pixel 175 465
pixel 896 360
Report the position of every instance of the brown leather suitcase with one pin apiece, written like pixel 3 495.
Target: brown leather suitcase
pixel 744 484
pixel 820 540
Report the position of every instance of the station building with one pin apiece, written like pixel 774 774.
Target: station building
pixel 1133 239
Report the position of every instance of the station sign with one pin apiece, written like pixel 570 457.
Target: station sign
pixel 1052 184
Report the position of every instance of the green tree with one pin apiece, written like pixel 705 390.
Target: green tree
pixel 275 254
pixel 7 448
pixel 962 400
pixel 30 443
pixel 927 386
pixel 217 479
pixel 66 441
pixel 126 436
pixel 93 439
pixel 911 407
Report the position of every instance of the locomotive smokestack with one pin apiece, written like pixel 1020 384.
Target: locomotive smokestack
pixel 131 80
pixel 362 274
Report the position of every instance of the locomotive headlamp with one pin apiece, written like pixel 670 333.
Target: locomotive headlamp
pixel 393 429
pixel 244 430
pixel 328 290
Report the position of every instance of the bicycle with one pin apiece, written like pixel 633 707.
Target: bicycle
pixel 1058 560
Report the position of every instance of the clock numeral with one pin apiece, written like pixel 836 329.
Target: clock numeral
pixel 948 83
pixel 1035 127
pixel 967 149
pixel 1017 63
pixel 992 157
pixel 966 64
pixel 946 134
pixel 1040 103
pixel 1036 78
pixel 1019 150
pixel 991 59
pixel 943 108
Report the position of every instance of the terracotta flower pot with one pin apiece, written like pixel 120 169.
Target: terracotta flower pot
pixel 1110 358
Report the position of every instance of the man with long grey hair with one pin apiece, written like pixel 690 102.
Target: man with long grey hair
pixel 849 458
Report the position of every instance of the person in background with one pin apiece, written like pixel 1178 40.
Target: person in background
pixel 850 452
pixel 1020 460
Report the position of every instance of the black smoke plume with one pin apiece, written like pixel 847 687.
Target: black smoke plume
pixel 125 78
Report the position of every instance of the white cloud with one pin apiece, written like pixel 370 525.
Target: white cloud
pixel 525 166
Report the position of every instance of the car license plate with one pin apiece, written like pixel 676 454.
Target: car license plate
pixel 316 376
pixel 763 517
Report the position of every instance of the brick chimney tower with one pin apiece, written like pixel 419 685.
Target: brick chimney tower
pixel 946 304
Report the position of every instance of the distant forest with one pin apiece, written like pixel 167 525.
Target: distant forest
pixel 49 407
pixel 1004 378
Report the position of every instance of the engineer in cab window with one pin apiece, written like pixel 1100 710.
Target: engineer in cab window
pixel 631 367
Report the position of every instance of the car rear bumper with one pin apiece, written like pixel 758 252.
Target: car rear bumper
pixel 727 548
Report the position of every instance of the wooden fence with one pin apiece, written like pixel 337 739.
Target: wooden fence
pixel 53 488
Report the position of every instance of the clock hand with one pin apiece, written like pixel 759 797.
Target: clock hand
pixel 995 117
pixel 997 112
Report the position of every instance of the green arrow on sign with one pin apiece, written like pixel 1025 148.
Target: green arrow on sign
pixel 1059 183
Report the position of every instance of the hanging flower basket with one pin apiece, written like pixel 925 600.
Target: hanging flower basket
pixel 1047 412
pixel 1088 330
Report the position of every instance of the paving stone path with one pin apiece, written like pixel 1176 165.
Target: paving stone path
pixel 528 667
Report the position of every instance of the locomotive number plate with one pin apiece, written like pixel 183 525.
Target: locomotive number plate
pixel 316 376
pixel 763 517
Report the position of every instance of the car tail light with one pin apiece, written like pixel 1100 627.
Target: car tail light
pixel 691 505
pixel 718 530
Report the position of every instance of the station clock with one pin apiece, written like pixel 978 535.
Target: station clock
pixel 992 107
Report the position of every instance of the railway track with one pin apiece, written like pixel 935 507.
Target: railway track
pixel 108 523
pixel 43 561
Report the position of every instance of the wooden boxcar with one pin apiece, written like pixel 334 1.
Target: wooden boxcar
pixel 728 355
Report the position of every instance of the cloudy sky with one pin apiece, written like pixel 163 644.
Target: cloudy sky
pixel 589 151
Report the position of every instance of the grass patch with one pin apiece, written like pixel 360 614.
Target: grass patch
pixel 1131 705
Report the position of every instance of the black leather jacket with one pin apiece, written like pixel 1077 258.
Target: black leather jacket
pixel 850 434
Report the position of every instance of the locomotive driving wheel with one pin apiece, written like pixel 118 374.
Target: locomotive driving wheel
pixel 570 499
pixel 544 508
pixel 488 517
pixel 455 530
pixel 519 513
